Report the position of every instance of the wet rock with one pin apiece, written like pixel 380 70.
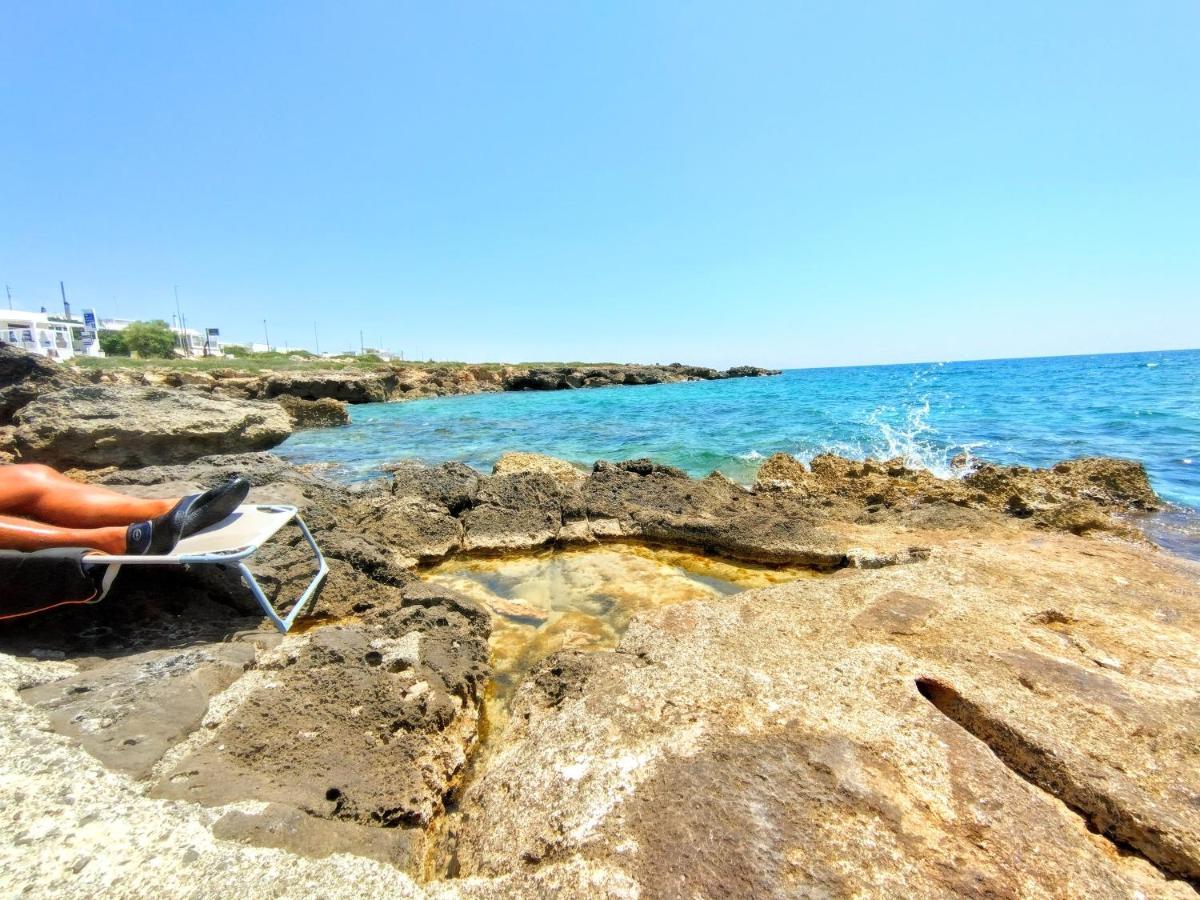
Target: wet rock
pixel 94 426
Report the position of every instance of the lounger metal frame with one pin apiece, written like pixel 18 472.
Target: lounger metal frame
pixel 238 556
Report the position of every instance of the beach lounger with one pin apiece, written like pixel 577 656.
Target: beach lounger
pixel 232 542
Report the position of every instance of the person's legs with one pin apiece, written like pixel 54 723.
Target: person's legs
pixel 22 534
pixel 38 492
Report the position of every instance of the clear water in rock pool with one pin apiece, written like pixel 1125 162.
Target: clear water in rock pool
pixel 583 599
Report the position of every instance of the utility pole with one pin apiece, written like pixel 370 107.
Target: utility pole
pixel 267 334
pixel 8 291
pixel 66 305
pixel 179 316
pixel 361 346
pixel 316 339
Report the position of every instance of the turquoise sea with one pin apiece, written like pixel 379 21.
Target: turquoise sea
pixel 1143 406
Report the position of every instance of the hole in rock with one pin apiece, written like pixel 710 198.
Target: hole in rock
pixel 333 795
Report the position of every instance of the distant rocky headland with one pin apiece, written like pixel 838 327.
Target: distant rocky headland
pixel 84 416
pixel 985 685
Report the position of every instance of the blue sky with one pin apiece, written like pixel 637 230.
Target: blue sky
pixel 787 184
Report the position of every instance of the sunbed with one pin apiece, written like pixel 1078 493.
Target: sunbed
pixel 232 542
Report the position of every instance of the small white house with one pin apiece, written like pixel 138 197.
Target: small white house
pixel 37 333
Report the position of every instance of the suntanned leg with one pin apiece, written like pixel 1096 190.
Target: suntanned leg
pixel 38 492
pixel 22 534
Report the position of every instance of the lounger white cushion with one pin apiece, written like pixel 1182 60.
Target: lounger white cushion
pixel 231 542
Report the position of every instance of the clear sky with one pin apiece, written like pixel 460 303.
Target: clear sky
pixel 784 183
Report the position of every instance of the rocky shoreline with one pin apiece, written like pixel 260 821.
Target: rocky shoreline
pixel 991 685
pixel 94 418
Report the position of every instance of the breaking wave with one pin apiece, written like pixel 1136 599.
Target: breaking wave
pixel 1030 412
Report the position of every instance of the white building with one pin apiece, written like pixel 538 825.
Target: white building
pixel 38 333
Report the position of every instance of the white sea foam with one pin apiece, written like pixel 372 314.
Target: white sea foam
pixel 751 455
pixel 1151 365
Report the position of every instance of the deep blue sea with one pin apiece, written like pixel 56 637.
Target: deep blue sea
pixel 1143 406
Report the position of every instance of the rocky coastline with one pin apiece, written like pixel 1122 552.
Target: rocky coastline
pixel 989 685
pixel 91 418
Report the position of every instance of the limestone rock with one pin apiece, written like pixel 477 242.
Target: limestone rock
pixel 782 471
pixel 8 444
pixel 346 386
pixel 918 731
pixel 559 469
pixel 323 413
pixel 452 485
pixel 95 425
pixel 128 711
pixel 519 511
pixel 26 376
pixel 399 711
pixel 892 489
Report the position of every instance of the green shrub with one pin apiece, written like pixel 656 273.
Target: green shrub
pixel 113 343
pixel 149 339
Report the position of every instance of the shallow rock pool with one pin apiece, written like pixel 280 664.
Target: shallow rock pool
pixel 583 599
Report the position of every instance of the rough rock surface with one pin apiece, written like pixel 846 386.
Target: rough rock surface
pixel 8 444
pixel 24 376
pixel 323 413
pixel 559 469
pixel 353 733
pixel 72 828
pixel 948 728
pixel 953 726
pixel 347 387
pixel 824 519
pixel 1085 483
pixel 94 426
